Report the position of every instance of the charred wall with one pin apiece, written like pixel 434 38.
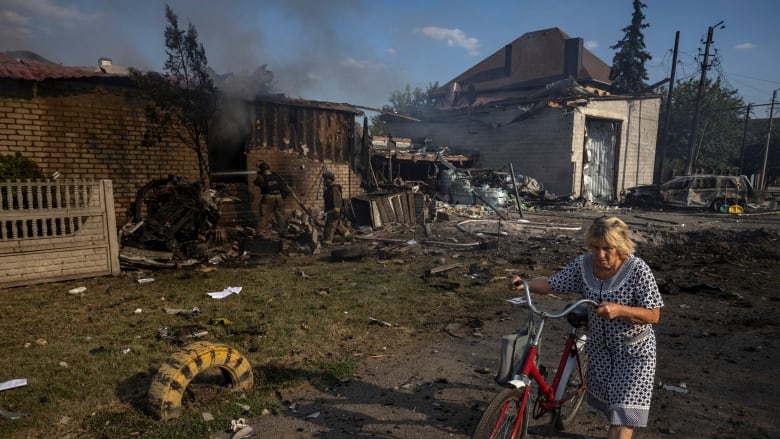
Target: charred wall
pixel 300 140
pixel 319 133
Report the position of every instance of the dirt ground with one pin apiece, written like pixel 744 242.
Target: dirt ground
pixel 717 339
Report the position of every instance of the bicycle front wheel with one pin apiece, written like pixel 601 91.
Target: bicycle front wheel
pixel 564 414
pixel 502 415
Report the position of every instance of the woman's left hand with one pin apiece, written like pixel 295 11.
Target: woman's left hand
pixel 634 314
pixel 609 311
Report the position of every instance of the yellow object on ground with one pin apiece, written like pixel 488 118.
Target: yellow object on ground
pixel 736 208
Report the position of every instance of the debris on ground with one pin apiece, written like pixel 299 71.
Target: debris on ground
pixel 224 293
pixel 173 223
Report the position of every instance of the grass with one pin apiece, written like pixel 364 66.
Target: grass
pixel 89 358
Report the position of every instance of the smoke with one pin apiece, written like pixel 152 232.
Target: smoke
pixel 308 57
pixel 305 48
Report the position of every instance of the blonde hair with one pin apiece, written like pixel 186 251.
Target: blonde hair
pixel 612 231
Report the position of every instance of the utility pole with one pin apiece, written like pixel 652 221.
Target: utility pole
pixel 661 155
pixel 768 134
pixel 699 96
pixel 744 140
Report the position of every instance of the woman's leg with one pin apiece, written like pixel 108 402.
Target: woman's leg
pixel 620 432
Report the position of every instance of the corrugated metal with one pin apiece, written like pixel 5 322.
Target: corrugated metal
pixel 600 164
pixel 32 70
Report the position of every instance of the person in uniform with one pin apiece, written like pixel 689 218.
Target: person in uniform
pixel 333 204
pixel 273 191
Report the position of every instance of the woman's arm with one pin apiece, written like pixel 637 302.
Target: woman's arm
pixel 634 314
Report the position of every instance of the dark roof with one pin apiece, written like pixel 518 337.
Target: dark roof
pixel 530 62
pixel 31 69
pixel 294 102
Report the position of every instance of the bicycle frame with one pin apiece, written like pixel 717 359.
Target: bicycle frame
pixel 550 396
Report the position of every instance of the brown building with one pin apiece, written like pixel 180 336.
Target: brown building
pixel 86 124
pixel 89 123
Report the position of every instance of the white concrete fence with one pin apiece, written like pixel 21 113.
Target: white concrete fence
pixel 56 230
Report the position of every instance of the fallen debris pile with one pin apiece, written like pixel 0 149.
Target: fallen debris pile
pixel 168 222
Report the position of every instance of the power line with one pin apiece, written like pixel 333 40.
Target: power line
pixel 756 79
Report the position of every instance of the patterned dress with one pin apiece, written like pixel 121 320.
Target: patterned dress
pixel 621 354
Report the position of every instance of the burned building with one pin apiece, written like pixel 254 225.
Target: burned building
pixel 299 139
pixel 543 103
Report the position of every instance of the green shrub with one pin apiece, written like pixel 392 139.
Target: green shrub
pixel 16 166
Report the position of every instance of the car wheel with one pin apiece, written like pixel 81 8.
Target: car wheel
pixel 718 205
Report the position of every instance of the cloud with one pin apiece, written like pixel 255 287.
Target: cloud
pixel 391 51
pixel 745 46
pixel 454 37
pixel 47 9
pixel 592 44
pixel 13 18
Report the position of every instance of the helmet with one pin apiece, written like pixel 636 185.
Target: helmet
pixel 328 175
pixel 263 166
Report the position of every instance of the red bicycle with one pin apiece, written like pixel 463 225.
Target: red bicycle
pixel 506 417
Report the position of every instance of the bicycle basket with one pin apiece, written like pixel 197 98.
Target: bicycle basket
pixel 513 350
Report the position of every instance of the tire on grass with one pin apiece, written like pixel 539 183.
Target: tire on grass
pixel 348 253
pixel 173 377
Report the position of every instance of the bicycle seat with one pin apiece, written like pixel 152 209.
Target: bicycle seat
pixel 578 317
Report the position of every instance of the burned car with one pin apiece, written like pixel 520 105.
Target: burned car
pixel 716 192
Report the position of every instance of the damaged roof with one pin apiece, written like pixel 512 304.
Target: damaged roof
pixel 283 100
pixel 34 68
pixel 526 64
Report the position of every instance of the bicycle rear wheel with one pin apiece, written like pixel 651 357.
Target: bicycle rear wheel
pixel 564 414
pixel 502 415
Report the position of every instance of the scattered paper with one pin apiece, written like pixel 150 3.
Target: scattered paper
pixel 185 312
pixel 517 301
pixel 145 280
pixel 19 382
pixel 224 293
pixel 10 415
pixel 77 290
pixel 678 389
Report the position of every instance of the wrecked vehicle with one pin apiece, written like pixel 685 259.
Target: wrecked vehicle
pixel 716 192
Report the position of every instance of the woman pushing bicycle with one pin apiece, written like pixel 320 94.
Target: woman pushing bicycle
pixel 621 341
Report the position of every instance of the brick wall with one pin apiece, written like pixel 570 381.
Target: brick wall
pixel 300 140
pixel 304 177
pixel 89 130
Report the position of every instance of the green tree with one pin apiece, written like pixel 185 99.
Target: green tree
pixel 721 129
pixel 409 101
pixel 184 97
pixel 628 74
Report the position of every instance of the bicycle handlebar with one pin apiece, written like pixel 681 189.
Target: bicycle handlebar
pixel 567 310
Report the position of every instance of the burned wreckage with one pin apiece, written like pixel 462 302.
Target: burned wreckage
pixel 450 178
pixel 170 220
pixel 173 222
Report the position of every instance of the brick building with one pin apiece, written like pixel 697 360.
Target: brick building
pixel 86 124
pixel 544 102
pixel 91 124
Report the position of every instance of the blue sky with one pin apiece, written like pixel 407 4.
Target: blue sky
pixel 360 51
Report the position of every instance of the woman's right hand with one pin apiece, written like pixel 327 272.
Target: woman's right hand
pixel 515 283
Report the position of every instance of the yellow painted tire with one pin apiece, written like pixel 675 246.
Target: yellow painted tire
pixel 178 371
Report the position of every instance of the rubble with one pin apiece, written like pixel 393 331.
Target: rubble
pixel 173 223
